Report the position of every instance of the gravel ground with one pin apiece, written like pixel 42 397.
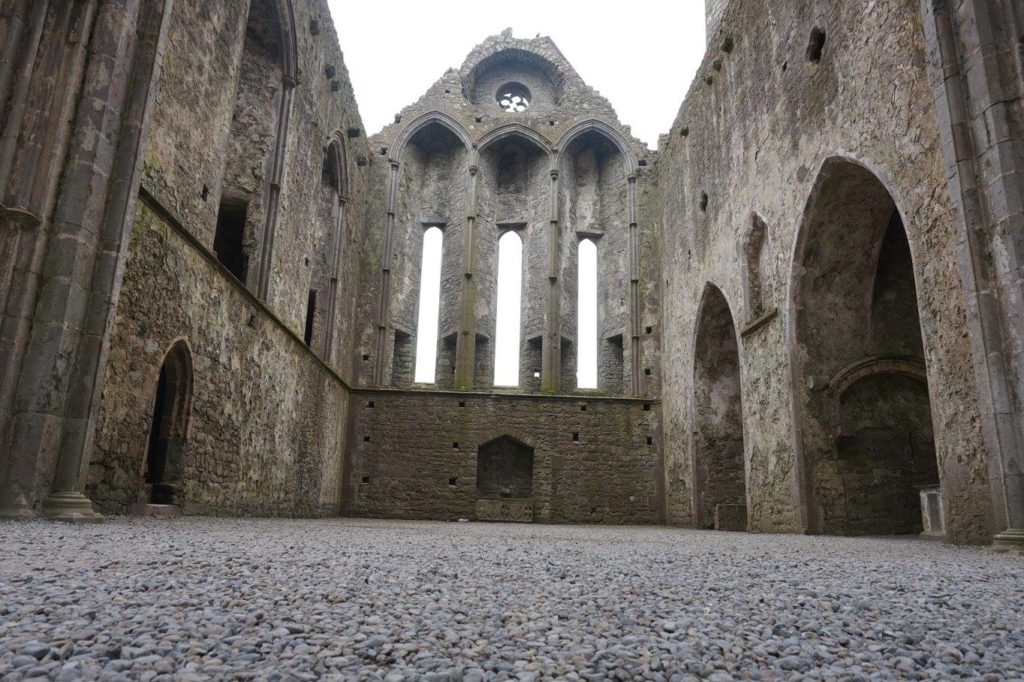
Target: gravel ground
pixel 346 599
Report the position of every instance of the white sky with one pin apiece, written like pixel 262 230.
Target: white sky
pixel 641 55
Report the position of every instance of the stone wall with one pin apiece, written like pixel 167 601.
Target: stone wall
pixel 749 144
pixel 265 433
pixel 414 455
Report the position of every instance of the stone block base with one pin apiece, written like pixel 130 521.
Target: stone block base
pixel 159 511
pixel 507 510
pixel 731 517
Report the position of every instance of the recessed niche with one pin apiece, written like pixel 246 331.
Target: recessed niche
pixel 647 407
pixel 455 446
pixel 576 437
pixel 462 403
pixel 816 45
pixel 453 481
pixel 371 404
pixel 704 202
pixel 366 480
pixel 366 439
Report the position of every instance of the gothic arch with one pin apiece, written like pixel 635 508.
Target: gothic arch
pixel 421 122
pixel 172 408
pixel 719 472
pixel 515 130
pixel 628 155
pixel 861 405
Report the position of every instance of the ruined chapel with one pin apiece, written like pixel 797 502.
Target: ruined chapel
pixel 802 313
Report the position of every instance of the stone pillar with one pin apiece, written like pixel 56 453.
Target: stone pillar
pixel 551 348
pixel 465 342
pixel 635 364
pixel 384 304
pixel 979 93
pixel 60 376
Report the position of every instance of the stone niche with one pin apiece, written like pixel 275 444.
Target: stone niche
pixel 504 481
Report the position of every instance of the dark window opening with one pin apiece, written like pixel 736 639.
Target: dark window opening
pixel 453 481
pixel 229 239
pixel 366 439
pixel 310 317
pixel 816 45
pixel 704 201
pixel 366 480
pixel 576 437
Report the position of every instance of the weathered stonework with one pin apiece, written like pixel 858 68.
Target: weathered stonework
pixel 808 298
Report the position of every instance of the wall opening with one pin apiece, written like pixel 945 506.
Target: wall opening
pixel 504 481
pixel 510 287
pixel 720 489
pixel 229 238
pixel 251 170
pixel 310 317
pixel 861 382
pixel 816 45
pixel 172 407
pixel 586 310
pixel 505 470
pixel 753 247
pixel 429 306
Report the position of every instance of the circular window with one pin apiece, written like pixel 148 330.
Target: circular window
pixel 514 98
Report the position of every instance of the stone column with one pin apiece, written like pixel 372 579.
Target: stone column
pixel 979 93
pixel 60 379
pixel 384 304
pixel 636 388
pixel 465 342
pixel 551 348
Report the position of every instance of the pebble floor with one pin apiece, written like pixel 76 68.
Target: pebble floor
pixel 348 599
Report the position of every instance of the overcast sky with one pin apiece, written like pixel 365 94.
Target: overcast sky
pixel 640 54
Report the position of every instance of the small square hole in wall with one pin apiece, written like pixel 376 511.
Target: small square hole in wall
pixel 370 404
pixel 647 371
pixel 536 374
pixel 583 408
pixel 593 510
pixel 642 162
pixel 366 358
pixel 650 440
pixel 455 446
pixel 366 480
pixel 647 407
pixel 649 330
pixel 576 437
pixel 366 439
pixel 453 481
pixel 462 403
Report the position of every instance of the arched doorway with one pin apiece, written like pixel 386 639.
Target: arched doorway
pixel 720 491
pixel 169 428
pixel 504 481
pixel 860 385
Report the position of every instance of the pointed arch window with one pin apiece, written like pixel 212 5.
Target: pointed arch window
pixel 510 291
pixel 586 312
pixel 430 306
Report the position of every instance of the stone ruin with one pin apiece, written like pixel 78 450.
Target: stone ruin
pixel 801 313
